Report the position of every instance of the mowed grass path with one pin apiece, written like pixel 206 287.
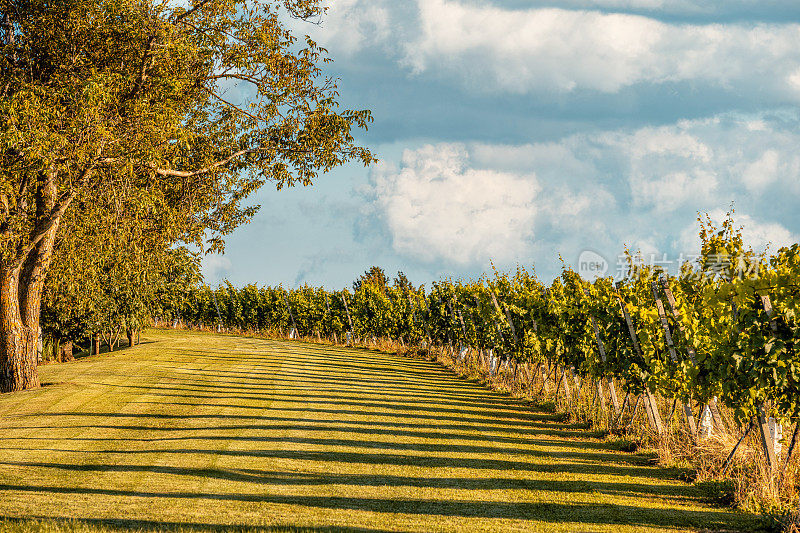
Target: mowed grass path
pixel 195 431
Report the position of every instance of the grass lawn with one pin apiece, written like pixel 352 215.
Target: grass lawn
pixel 200 432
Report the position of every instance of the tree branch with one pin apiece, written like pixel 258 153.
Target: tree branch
pixel 205 170
pixel 232 106
pixel 41 229
pixel 142 75
pixel 220 163
pixel 21 205
pixel 241 77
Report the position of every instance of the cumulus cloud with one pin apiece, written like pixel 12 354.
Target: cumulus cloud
pixel 545 50
pixel 559 50
pixel 215 267
pixel 351 25
pixel 669 166
pixel 765 170
pixel 688 163
pixel 467 203
pixel 437 207
pixel 682 7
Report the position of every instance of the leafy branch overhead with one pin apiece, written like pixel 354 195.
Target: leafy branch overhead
pixel 206 103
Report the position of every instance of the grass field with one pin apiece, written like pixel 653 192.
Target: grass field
pixel 196 431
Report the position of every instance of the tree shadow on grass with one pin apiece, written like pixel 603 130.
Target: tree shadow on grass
pixel 532 428
pixel 389 459
pixel 349 427
pixel 12 524
pixel 552 512
pixel 258 391
pixel 571 455
pixel 405 404
pixel 674 493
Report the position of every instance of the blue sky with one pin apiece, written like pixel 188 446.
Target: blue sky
pixel 510 132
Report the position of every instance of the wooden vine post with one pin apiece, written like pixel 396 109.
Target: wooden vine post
pixel 328 310
pixel 414 315
pixel 460 320
pixel 576 379
pixel 767 441
pixel 508 317
pixel 291 315
pixel 612 391
pixel 496 323
pixel 347 310
pixel 600 396
pixel 463 349
pixel 567 392
pixel 687 407
pixel 712 404
pixel 650 402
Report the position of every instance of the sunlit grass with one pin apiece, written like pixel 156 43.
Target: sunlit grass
pixel 197 432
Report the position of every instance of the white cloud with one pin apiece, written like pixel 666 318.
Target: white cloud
pixel 636 4
pixel 550 50
pixel 693 161
pixel 686 7
pixel 562 50
pixel 762 172
pixel 466 203
pixel 215 267
pixel 359 24
pixel 544 50
pixel 674 189
pixel 669 166
pixel 436 207
pixel 350 26
pixel 759 234
pixel 666 141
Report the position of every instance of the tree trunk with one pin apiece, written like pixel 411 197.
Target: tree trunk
pixel 65 352
pixel 129 334
pixel 96 342
pixel 21 284
pixel 17 340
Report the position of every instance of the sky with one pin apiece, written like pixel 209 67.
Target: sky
pixel 531 132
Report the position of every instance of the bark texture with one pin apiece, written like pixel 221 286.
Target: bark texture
pixel 21 284
pixel 65 352
pixel 18 356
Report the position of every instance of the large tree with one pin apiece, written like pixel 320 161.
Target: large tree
pixel 196 106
